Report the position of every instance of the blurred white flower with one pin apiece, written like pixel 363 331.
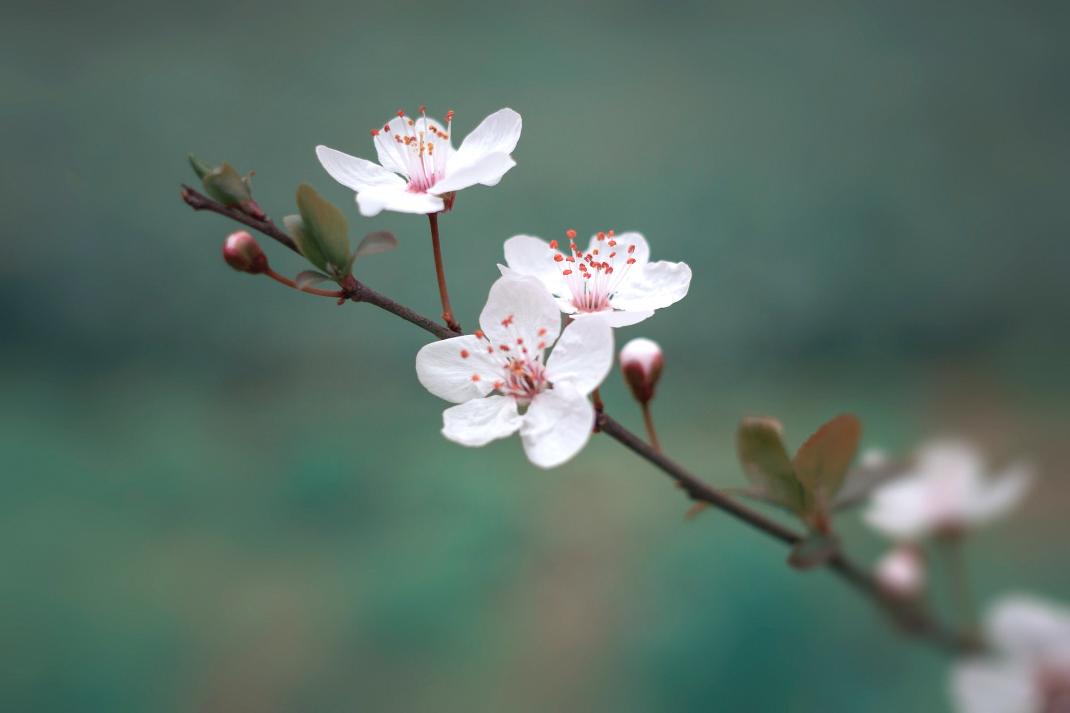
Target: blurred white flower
pixel 945 491
pixel 1029 668
pixel 613 278
pixel 502 382
pixel 420 171
pixel 902 572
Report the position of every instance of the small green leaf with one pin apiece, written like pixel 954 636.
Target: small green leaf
pixel 199 167
pixel 309 247
pixel 380 241
pixel 813 551
pixel 225 185
pixel 766 463
pixel 310 278
pixel 821 463
pixel 327 227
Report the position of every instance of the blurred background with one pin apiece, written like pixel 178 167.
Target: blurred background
pixel 220 495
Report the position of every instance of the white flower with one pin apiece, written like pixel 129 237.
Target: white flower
pixel 946 491
pixel 503 383
pixel 1030 668
pixel 614 277
pixel 420 170
pixel 901 572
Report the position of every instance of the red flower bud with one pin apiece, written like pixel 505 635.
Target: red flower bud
pixel 640 364
pixel 242 252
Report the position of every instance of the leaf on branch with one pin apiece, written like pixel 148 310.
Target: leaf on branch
pixel 325 225
pixel 822 462
pixel 310 278
pixel 760 446
pixel 223 182
pixel 295 226
pixel 380 241
pixel 813 551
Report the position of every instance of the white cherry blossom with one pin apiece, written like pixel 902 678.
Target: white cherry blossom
pixel 419 171
pixel 946 491
pixel 503 382
pixel 613 278
pixel 1029 668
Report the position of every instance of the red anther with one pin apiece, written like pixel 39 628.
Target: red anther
pixel 610 233
pixel 386 128
pixel 631 261
pixel 449 115
pixel 612 255
pixel 541 345
pixel 464 353
pixel 566 272
pixel 542 331
pixel 553 245
pixel 504 347
pixel 558 257
pixel 479 334
pixel 570 258
pixel 423 108
pixel 519 340
pixel 375 132
pixel 601 235
pixel 612 243
pixel 631 249
pixel 570 233
pixel 595 251
pixel 401 113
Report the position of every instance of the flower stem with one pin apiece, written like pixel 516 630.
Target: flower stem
pixel 440 273
pixel 648 419
pixel 310 290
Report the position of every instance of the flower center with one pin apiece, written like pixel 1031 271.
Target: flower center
pixel 517 370
pixel 422 147
pixel 594 277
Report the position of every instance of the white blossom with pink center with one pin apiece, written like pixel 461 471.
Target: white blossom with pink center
pixel 1028 669
pixel 613 278
pixel 947 490
pixel 419 171
pixel 503 382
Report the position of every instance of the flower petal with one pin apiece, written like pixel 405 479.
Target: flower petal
pixel 655 285
pixel 488 170
pixel 498 133
pixel 520 313
pixel 624 241
pixel 901 509
pixel 582 356
pixel 356 173
pixel 616 317
pixel 480 421
pixel 392 153
pixel 446 368
pixel 557 426
pixel 980 686
pixel 1029 628
pixel 529 255
pixel 373 201
pixel 999 495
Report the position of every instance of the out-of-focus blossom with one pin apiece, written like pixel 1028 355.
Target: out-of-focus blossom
pixel 419 171
pixel 1028 670
pixel 502 383
pixel 901 572
pixel 614 278
pixel 946 491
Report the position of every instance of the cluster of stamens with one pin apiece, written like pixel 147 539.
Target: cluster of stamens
pixel 594 277
pixel 520 371
pixel 416 143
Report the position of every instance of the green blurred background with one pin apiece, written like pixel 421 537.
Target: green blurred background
pixel 223 496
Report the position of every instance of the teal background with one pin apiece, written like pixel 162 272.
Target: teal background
pixel 220 495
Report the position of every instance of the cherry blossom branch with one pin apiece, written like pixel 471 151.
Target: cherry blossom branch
pixel 440 274
pixel 910 615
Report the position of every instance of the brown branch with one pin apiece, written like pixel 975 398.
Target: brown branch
pixel 907 614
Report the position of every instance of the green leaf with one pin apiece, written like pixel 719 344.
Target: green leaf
pixel 199 167
pixel 822 462
pixel 326 225
pixel 380 241
pixel 814 550
pixel 310 278
pixel 225 185
pixel 766 463
pixel 308 246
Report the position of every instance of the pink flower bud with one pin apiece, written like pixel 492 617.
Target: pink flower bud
pixel 640 364
pixel 901 572
pixel 242 252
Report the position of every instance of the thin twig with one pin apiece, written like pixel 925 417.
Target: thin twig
pixel 907 614
pixel 440 275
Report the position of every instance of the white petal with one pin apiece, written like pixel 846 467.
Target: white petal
pixel 980 686
pixel 390 153
pixel 655 285
pixel 618 318
pixel 528 255
pixel 527 308
pixel 624 241
pixel 900 509
pixel 1029 628
pixel 356 173
pixel 557 426
pixel 999 495
pixel 480 421
pixel 488 170
pixel 583 355
pixel 498 133
pixel 446 372
pixel 373 201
